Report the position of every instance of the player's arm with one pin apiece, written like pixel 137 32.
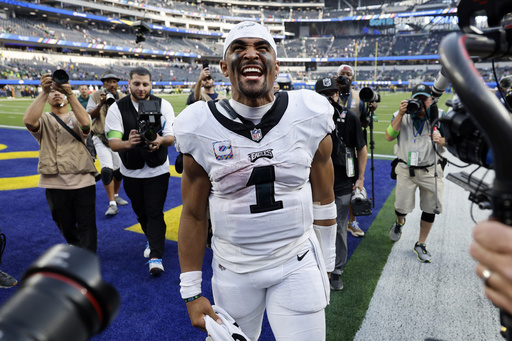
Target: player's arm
pixel 192 235
pixel 324 208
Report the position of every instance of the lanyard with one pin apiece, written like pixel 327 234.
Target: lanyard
pixel 417 131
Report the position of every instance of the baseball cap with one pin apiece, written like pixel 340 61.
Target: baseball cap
pixel 109 75
pixel 325 84
pixel 248 29
pixel 345 66
pixel 421 89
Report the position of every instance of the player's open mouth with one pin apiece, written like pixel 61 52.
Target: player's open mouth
pixel 252 72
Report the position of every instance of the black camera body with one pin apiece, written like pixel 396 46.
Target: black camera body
pixel 414 106
pixel 60 77
pixel 149 120
pixel 61 297
pixel 343 83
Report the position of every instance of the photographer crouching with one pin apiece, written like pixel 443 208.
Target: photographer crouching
pixel 418 165
pixel 139 127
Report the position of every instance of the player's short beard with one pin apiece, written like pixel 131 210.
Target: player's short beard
pixel 250 92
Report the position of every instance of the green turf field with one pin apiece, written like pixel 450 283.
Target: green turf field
pixel 11 114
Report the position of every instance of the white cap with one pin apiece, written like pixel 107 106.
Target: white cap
pixel 248 29
pixel 345 66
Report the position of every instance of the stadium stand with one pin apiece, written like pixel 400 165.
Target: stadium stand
pixel 185 33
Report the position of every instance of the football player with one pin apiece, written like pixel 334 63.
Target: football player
pixel 261 161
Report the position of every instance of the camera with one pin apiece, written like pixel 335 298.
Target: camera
pixel 61 297
pixel 110 98
pixel 368 95
pixel 343 83
pixel 60 77
pixel 414 106
pixel 149 120
pixel 463 139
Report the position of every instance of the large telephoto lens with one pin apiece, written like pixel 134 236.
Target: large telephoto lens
pixel 61 297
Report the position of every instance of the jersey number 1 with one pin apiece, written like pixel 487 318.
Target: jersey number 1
pixel 263 179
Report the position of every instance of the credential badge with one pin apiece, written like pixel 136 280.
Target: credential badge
pixel 256 135
pixel 223 150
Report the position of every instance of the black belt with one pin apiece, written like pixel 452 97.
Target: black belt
pixel 413 168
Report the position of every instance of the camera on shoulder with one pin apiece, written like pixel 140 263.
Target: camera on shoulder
pixel 149 120
pixel 414 106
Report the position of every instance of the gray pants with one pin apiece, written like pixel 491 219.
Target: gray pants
pixel 342 205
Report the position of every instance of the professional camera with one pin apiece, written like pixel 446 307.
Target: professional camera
pixel 414 106
pixel 149 120
pixel 61 297
pixel 110 98
pixel 60 77
pixel 463 139
pixel 343 83
pixel 368 95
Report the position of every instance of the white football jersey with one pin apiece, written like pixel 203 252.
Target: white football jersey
pixel 261 202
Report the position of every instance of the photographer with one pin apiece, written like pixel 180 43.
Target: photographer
pixel 503 91
pixel 145 165
pixel 417 166
pixel 206 81
pixel 65 164
pixel 349 98
pixel 98 105
pixel 349 156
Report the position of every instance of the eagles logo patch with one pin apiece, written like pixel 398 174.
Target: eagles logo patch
pixel 223 150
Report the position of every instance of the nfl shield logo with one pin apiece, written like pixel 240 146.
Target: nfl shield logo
pixel 327 82
pixel 256 134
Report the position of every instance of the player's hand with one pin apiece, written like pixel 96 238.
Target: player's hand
pixel 197 309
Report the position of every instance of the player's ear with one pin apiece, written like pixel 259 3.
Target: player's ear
pixel 224 68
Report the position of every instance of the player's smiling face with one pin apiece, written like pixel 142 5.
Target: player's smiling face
pixel 251 65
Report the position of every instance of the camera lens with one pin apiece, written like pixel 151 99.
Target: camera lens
pixel 413 106
pixel 367 95
pixel 60 77
pixel 61 297
pixel 110 99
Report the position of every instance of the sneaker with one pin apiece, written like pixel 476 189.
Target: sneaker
pixel 336 282
pixel 6 280
pixel 421 251
pixel 112 210
pixel 120 201
pixel 155 266
pixel 355 229
pixel 147 251
pixel 396 231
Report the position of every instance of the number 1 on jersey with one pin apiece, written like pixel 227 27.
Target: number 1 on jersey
pixel 263 179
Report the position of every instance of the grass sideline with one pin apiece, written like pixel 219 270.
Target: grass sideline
pixel 12 110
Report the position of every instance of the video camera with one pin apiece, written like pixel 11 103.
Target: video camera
pixel 149 120
pixel 61 297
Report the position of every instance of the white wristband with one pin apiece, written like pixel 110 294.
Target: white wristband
pixel 324 212
pixel 190 283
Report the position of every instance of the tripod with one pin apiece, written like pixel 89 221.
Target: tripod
pixel 367 121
